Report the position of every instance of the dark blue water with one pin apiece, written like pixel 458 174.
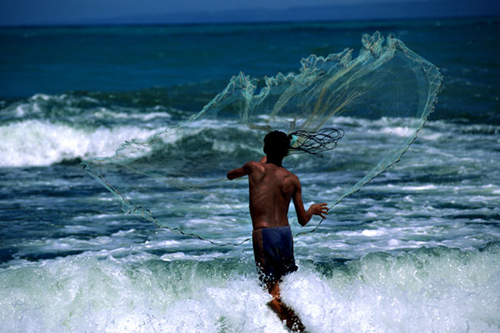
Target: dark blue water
pixel 126 59
pixel 416 250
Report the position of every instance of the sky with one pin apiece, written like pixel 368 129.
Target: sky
pixel 88 12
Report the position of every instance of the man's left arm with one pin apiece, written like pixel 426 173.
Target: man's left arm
pixel 236 173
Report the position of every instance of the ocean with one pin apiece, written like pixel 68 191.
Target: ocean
pixel 415 250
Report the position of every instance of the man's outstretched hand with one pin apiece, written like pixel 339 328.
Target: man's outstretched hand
pixel 319 209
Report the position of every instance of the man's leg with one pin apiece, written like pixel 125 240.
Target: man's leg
pixel 283 311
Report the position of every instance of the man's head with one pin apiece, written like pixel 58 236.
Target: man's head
pixel 276 144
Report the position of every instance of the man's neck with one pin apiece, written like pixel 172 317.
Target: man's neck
pixel 275 161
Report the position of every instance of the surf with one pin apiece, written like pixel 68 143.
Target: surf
pixel 436 289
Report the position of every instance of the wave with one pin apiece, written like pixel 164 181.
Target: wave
pixel 48 129
pixel 438 290
pixel 91 108
pixel 43 143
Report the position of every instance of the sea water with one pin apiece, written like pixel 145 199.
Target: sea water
pixel 416 250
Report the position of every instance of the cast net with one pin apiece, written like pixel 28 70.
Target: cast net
pixel 177 178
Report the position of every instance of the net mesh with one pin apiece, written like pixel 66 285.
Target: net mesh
pixel 170 178
pixel 315 143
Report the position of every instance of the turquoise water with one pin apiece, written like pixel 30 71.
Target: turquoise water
pixel 416 250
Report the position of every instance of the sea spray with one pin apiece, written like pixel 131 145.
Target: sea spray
pixel 427 290
pixel 79 294
pixel 441 290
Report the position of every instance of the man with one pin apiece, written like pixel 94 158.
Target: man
pixel 272 187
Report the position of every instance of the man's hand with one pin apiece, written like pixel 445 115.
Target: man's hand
pixel 319 209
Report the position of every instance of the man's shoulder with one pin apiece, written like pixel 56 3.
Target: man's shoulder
pixel 294 177
pixel 289 175
pixel 252 166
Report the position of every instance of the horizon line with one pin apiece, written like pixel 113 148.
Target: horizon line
pixel 249 22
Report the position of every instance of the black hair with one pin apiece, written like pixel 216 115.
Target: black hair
pixel 276 143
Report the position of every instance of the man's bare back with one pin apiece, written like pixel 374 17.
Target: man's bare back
pixel 272 187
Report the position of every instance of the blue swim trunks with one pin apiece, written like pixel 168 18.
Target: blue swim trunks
pixel 273 250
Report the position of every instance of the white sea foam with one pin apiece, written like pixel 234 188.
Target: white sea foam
pixel 148 116
pixel 438 290
pixel 42 143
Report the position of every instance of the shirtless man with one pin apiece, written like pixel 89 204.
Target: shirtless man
pixel 272 187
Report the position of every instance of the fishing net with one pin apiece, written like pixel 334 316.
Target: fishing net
pixel 177 178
